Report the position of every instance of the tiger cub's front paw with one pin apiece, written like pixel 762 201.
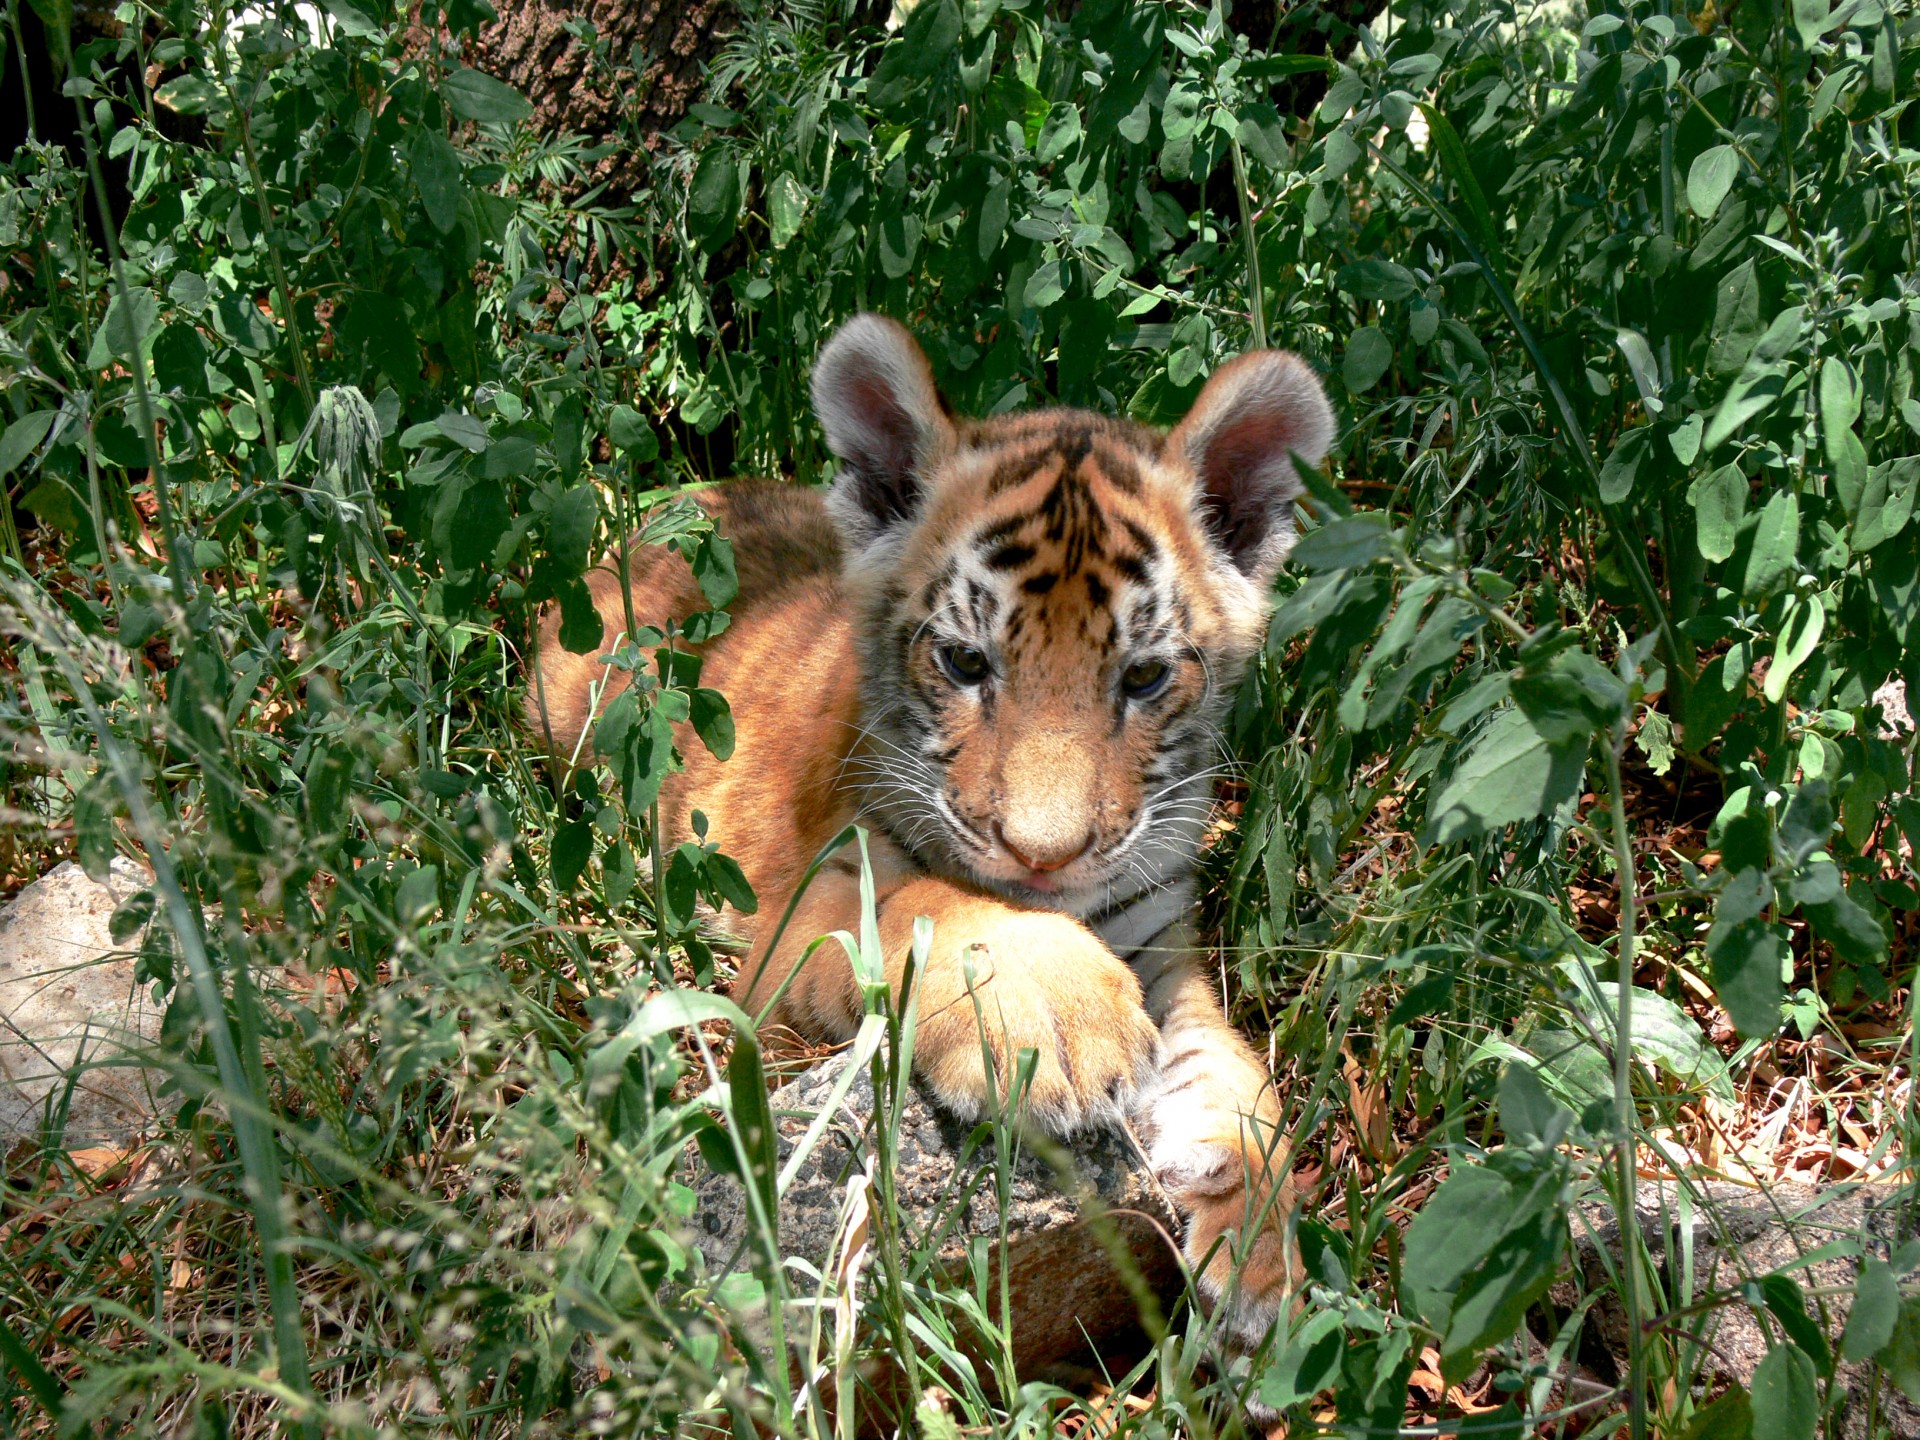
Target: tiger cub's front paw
pixel 1044 983
pixel 1224 1173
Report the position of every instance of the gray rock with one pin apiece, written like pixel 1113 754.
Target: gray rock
pixel 1739 1232
pixel 68 1005
pixel 1063 1228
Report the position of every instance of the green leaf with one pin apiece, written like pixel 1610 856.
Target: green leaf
pixel 1799 635
pixel 1736 319
pixel 1776 544
pixel 1622 466
pixel 787 201
pixel 1511 772
pixel 1486 1245
pixel 22 438
pixel 1785 1402
pixel 1355 540
pixel 1787 1304
pixel 629 430
pixel 1719 500
pixel 713 198
pixel 712 721
pixel 1746 957
pixel 571 525
pixel 1306 1362
pixel 899 242
pixel 572 848
pixel 1901 1355
pixel 1762 380
pixel 1046 286
pixel 1369 356
pixel 1710 178
pixel 1466 185
pixel 922 46
pixel 482 99
pixel 436 174
pixel 465 431
pixel 128 331
pixel 1812 19
pixel 1377 280
pixel 1885 506
pixel 1728 1418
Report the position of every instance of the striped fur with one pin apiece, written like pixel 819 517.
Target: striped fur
pixel 1007 647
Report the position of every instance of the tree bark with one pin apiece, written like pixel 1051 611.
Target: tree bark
pixel 655 58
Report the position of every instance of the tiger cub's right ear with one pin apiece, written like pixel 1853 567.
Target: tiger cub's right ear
pixel 873 391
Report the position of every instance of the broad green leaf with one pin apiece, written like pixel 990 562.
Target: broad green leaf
pixel 128 331
pixel 1622 467
pixel 1060 133
pixel 629 430
pixel 1762 379
pixel 1901 1355
pixel 1876 1310
pixel 464 430
pixel 474 96
pixel 22 438
pixel 572 848
pixel 1719 500
pixel 713 198
pixel 1776 543
pixel 1305 1363
pixel 924 43
pixel 787 203
pixel 712 721
pixel 571 525
pixel 1746 959
pixel 1812 19
pixel 899 243
pixel 436 174
pixel 1885 505
pixel 1785 1398
pixel 1369 356
pixel 1355 540
pixel 1377 280
pixel 1710 178
pixel 1799 635
pixel 1510 773
pixel 1736 319
pixel 1045 286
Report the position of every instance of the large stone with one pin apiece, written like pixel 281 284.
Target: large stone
pixel 1739 1232
pixel 1064 1227
pixel 68 1008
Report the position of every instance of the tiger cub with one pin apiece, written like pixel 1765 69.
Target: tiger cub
pixel 1006 647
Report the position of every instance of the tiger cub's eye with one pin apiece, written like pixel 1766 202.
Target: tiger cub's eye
pixel 1144 679
pixel 964 664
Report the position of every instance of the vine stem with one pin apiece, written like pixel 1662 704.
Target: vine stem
pixel 1257 301
pixel 1623 1093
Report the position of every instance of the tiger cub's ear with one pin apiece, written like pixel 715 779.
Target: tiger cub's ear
pixel 1252 418
pixel 873 391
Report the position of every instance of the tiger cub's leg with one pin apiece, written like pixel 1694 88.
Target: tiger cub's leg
pixel 1029 979
pixel 1212 1123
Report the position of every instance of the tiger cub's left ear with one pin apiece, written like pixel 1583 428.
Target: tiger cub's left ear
pixel 1252 418
pixel 873 391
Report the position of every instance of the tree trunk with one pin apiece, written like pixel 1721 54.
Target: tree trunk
pixel 651 64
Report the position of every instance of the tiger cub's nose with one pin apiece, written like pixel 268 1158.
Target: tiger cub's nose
pixel 1041 851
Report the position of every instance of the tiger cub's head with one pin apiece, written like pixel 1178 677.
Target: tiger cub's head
pixel 1054 609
